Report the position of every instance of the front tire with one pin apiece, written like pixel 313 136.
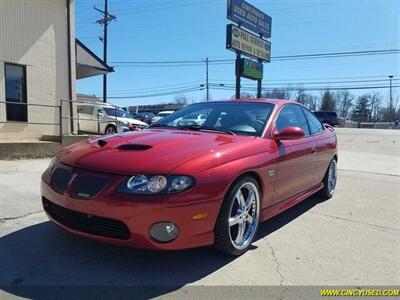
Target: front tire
pixel 238 220
pixel 110 129
pixel 329 181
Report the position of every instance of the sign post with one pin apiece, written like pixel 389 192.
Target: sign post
pixel 244 42
pixel 237 67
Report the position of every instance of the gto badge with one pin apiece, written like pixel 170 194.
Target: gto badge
pixel 84 195
pixel 271 172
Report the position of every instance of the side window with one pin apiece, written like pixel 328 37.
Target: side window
pixel 85 109
pixel 315 124
pixel 292 115
pixel 16 96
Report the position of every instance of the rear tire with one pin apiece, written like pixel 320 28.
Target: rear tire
pixel 238 220
pixel 329 181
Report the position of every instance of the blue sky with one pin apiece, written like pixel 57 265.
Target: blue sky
pixel 165 30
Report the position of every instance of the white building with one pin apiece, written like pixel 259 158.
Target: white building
pixel 40 61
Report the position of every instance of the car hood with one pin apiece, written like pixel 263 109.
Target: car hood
pixel 132 121
pixel 159 151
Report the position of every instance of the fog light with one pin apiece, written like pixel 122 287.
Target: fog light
pixel 164 232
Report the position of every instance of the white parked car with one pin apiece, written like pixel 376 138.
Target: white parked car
pixel 106 119
pixel 161 114
pixel 192 120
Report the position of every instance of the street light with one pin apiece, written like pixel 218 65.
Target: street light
pixel 390 101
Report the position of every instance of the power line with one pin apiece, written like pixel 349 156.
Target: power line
pixel 158 94
pixel 201 19
pixel 249 89
pixel 277 25
pixel 176 85
pixel 318 82
pixel 319 78
pixel 289 85
pixel 312 89
pixel 273 58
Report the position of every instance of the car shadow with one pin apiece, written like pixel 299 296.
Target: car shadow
pixel 44 262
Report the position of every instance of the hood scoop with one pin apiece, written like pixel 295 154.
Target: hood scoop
pixel 102 143
pixel 133 147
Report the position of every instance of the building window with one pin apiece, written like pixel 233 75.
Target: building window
pixel 15 76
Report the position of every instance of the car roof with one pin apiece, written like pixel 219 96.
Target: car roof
pixel 277 102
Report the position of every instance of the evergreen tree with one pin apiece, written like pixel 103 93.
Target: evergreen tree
pixel 328 101
pixel 361 110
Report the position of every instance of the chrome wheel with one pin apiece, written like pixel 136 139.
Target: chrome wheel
pixel 243 217
pixel 111 130
pixel 332 177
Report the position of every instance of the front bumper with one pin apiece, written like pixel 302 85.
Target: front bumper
pixel 137 213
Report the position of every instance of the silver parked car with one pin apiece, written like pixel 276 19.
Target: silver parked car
pixel 106 119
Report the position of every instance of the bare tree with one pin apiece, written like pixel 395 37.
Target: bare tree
pixel 304 98
pixel 344 102
pixel 181 99
pixel 375 99
pixel 300 95
pixel 244 95
pixel 278 93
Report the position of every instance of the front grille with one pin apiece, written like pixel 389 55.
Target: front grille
pixel 88 186
pixel 60 180
pixel 86 223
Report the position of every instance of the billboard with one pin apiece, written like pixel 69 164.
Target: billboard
pixel 247 43
pixel 251 69
pixel 249 17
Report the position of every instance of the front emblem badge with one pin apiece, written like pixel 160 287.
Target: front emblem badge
pixel 84 195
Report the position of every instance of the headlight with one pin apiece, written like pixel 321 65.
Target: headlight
pixel 51 166
pixel 123 123
pixel 156 184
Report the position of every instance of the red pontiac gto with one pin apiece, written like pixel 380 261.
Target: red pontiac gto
pixel 205 175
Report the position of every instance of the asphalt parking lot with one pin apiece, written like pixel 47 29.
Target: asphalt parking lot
pixel 352 239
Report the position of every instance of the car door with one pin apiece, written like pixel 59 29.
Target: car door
pixel 322 143
pixel 296 158
pixel 85 114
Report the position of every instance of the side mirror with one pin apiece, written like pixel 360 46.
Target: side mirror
pixel 289 133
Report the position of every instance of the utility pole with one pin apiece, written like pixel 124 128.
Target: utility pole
pixel 207 85
pixel 237 71
pixel 390 100
pixel 107 18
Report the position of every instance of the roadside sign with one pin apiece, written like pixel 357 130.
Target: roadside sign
pixel 251 69
pixel 247 43
pixel 249 17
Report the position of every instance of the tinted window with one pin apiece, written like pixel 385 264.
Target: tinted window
pixel 85 109
pixel 15 78
pixel 244 118
pixel 292 115
pixel 112 111
pixel 315 124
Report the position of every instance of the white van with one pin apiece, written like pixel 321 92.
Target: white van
pixel 103 118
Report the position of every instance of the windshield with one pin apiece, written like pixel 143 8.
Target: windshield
pixel 120 113
pixel 243 118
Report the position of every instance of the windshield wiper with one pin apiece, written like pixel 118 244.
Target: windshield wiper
pixel 198 127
